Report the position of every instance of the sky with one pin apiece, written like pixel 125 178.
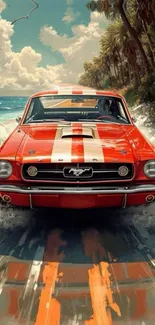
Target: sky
pixel 48 48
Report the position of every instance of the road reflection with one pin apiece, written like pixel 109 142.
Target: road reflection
pixel 76 267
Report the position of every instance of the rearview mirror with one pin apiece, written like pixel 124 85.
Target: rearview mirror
pixel 18 119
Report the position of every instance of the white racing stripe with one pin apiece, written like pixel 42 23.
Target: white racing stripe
pixel 69 91
pixel 89 92
pixel 93 148
pixel 62 147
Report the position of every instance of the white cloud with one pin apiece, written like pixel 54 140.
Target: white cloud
pixel 70 16
pixel 2 6
pixel 81 47
pixel 20 71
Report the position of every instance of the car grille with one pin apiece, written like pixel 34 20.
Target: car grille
pixel 66 172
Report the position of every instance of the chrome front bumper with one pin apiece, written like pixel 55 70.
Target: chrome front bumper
pixel 80 190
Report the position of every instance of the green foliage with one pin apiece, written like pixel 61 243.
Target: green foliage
pixel 146 90
pixel 131 96
pixel 127 50
pixel 106 84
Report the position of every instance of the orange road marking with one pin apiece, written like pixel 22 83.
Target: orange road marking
pixel 49 308
pixel 101 294
pixel 90 322
pixel 46 312
pixel 99 281
pixel 107 283
pixel 98 297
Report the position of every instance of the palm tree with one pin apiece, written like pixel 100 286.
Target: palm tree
pixel 115 33
pixel 118 7
pixel 145 16
pixel 91 76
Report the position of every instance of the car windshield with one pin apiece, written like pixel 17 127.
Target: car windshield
pixel 76 108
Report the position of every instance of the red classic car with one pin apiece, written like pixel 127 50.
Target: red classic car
pixel 77 148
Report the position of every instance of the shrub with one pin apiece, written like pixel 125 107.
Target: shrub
pixel 146 90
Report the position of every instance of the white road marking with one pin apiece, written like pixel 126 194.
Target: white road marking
pixel 141 247
pixel 34 272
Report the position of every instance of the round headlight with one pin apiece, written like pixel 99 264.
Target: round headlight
pixel 149 169
pixel 123 171
pixel 5 169
pixel 32 171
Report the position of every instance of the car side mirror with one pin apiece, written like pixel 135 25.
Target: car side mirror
pixel 18 119
pixel 134 119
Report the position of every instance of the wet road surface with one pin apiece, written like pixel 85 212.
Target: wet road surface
pixel 66 267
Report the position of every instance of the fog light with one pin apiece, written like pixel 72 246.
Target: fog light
pixel 123 171
pixel 32 171
pixel 150 198
pixel 6 198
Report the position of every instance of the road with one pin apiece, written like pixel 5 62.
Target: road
pixel 86 267
pixel 59 103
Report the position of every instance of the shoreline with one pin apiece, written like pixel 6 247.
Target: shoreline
pixel 7 122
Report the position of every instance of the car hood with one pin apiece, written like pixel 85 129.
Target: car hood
pixel 76 143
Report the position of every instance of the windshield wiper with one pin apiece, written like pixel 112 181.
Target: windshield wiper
pixel 49 120
pixel 30 118
pixel 98 121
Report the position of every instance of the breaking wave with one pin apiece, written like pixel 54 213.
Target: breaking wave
pixel 144 122
pixel 6 128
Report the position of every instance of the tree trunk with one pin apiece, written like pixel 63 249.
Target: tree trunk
pixel 150 55
pixel 129 73
pixel 133 35
pixel 153 9
pixel 135 69
pixel 115 70
pixel 151 45
pixel 121 65
pixel 108 72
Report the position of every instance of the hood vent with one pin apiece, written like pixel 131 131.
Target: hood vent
pixel 76 132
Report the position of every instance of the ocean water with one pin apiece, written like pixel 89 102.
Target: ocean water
pixel 11 107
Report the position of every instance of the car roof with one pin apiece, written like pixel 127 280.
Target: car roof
pixel 68 89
